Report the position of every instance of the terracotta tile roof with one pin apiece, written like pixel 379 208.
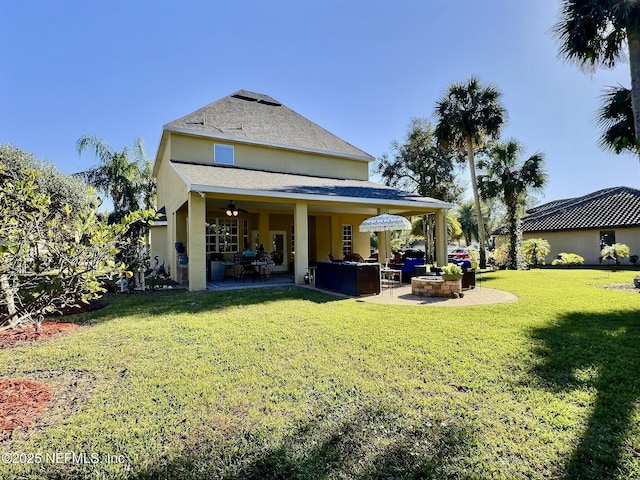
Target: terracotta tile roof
pixel 607 208
pixel 249 116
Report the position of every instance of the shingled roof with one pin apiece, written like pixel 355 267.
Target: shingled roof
pixel 223 179
pixel 607 208
pixel 257 118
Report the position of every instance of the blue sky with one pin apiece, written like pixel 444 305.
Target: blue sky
pixel 361 69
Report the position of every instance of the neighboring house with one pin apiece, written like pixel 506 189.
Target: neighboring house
pixel 581 225
pixel 297 189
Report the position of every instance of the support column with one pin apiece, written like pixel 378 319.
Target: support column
pixel 196 247
pixel 441 237
pixel 171 240
pixel 301 228
pixel 179 234
pixel 336 237
pixel 263 231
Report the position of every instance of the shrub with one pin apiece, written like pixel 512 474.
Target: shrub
pixel 62 189
pixel 615 251
pixel 451 269
pixel 568 259
pixel 535 250
pixel 51 260
pixel 501 254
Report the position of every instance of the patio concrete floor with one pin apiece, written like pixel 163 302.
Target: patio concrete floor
pixel 392 296
pixel 475 296
pixel 276 280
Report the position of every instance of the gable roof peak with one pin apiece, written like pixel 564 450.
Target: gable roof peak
pixel 252 117
pixel 249 96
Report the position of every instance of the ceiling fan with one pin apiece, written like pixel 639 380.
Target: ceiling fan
pixel 232 211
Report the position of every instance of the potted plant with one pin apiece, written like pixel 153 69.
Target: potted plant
pixel 451 272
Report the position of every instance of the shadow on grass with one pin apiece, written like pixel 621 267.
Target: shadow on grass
pixel 600 352
pixel 172 302
pixel 487 276
pixel 369 443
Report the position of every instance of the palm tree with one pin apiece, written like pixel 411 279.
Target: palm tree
pixel 468 221
pixel 595 33
pixel 615 117
pixel 467 115
pixel 147 185
pixel 535 250
pixel 509 181
pixel 123 179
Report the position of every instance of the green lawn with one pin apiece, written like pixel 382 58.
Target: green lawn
pixel 290 383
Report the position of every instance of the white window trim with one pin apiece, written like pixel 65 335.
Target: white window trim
pixel 215 235
pixel 224 148
pixel 347 239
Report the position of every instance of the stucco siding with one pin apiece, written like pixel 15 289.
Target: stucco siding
pixel 284 161
pixel 159 245
pixel 586 242
pixel 172 194
pixel 323 237
pixel 200 150
pixel 172 191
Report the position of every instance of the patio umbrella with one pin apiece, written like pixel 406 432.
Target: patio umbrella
pixel 385 223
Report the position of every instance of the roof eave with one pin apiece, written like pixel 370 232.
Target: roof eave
pixel 416 205
pixel 573 229
pixel 156 162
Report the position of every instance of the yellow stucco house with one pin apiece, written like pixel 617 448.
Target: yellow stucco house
pixel 248 171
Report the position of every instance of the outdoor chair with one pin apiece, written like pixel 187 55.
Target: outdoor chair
pixel 237 268
pixel 265 269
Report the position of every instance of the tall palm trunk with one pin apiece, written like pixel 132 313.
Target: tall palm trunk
pixel 476 201
pixel 633 37
pixel 514 237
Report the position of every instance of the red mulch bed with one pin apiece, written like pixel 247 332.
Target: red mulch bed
pixel 13 337
pixel 20 401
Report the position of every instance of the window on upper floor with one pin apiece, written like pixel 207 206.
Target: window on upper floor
pixel 223 154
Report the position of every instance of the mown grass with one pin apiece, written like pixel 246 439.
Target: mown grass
pixel 290 383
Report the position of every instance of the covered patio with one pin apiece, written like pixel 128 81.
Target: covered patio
pixel 299 219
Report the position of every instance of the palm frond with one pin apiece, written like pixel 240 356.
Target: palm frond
pixel 615 118
pixel 592 33
pixel 100 147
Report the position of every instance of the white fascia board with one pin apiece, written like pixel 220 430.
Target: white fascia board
pixel 231 138
pixel 156 161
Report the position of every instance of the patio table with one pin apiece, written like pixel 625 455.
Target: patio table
pixel 388 277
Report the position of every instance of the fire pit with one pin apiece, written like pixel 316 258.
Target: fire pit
pixel 436 287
